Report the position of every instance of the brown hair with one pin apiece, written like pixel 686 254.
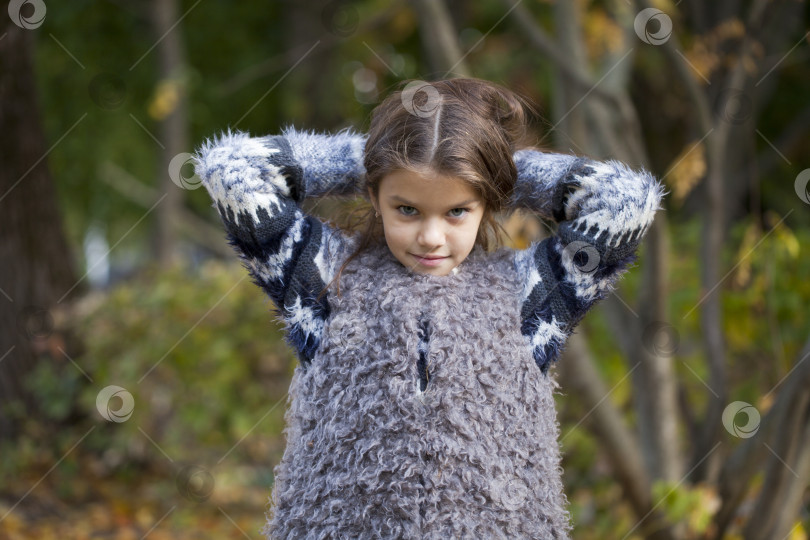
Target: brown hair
pixel 466 128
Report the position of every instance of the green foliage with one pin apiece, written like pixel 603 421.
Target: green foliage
pixel 198 351
pixel 763 303
pixel 682 503
pixel 56 389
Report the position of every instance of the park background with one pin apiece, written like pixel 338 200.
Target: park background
pixel 143 378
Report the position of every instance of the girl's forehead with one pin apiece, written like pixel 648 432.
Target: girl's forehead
pixel 425 185
pixel 428 192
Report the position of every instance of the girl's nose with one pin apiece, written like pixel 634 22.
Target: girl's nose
pixel 431 234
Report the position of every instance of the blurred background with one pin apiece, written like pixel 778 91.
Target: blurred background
pixel 143 378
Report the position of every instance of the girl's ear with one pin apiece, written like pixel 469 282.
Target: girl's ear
pixel 372 199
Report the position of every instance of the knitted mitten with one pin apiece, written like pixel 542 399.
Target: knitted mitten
pixel 603 209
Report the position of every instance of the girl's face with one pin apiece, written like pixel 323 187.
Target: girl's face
pixel 430 221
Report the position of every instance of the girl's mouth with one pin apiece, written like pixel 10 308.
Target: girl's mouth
pixel 429 261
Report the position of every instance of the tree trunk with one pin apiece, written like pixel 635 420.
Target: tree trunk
pixel 568 115
pixel 656 350
pixel 440 40
pixel 578 374
pixel 37 270
pixel 173 127
pixel 312 66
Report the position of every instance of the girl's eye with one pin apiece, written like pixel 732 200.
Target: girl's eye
pixel 406 210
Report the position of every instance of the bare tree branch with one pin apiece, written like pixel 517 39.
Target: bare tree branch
pixel 741 466
pixel 794 493
pixel 439 38
pixel 713 234
pixel 657 360
pixel 546 45
pixel 604 420
pixel 569 111
pixel 619 320
pixel 702 109
pixel 200 231
pixel 717 134
pixel 687 412
pixel 791 136
pixel 279 61
pixel 779 475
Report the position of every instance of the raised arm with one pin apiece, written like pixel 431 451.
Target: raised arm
pixel 257 184
pixel 603 210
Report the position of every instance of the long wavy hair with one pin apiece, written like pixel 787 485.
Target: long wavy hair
pixel 466 128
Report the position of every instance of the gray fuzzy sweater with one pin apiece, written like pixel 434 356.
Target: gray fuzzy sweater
pixel 422 406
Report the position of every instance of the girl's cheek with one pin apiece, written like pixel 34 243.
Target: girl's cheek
pixel 399 232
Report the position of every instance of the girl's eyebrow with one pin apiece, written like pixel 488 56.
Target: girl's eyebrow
pixel 406 201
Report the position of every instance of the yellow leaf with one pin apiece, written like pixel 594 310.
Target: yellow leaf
pixel 783 236
pixel 12 522
pixel 144 517
pixel 797 532
pixel 750 238
pixel 522 230
pixel 705 54
pixel 702 60
pixel 688 168
pixel 765 403
pixel 602 34
pixel 164 102
pixel 664 5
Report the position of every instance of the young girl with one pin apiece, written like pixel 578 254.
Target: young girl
pixel 423 404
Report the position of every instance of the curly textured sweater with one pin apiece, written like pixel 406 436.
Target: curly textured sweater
pixel 423 405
